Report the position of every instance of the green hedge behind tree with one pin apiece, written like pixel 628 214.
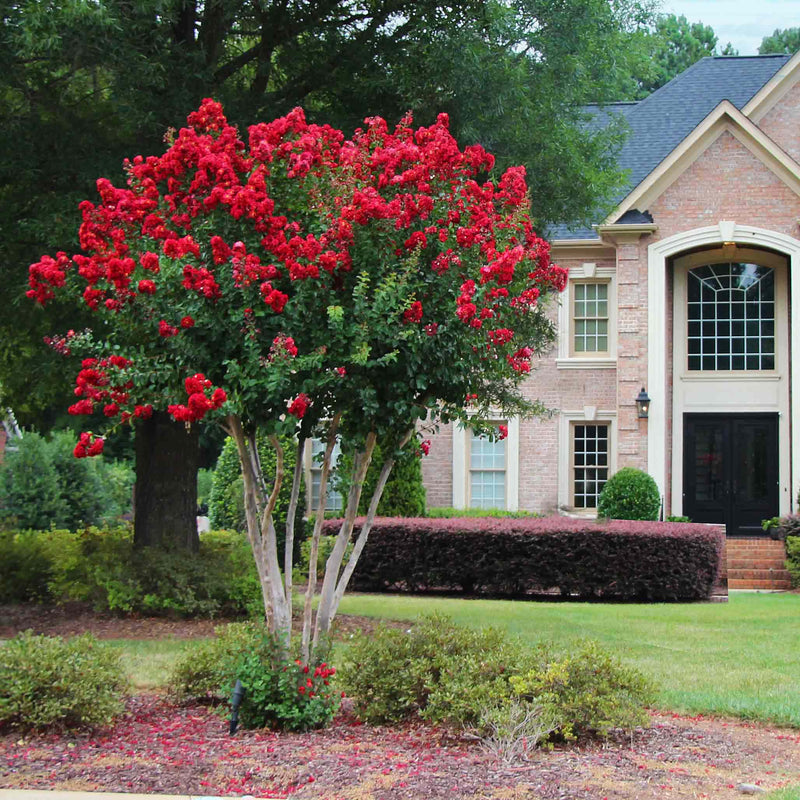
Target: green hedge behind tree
pixel 42 485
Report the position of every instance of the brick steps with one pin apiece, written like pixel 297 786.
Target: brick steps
pixel 757 564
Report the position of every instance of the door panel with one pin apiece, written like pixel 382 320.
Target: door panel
pixel 730 470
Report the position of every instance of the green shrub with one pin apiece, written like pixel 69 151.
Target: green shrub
pixel 26 567
pixel 42 484
pixel 446 512
pixel 672 518
pixel 208 671
pixel 279 692
pixel 324 549
pixel 226 498
pixel 630 494
pixel 30 495
pixel 588 691
pixel 205 480
pixel 484 681
pixel 404 493
pixel 793 558
pixel 52 682
pixel 100 566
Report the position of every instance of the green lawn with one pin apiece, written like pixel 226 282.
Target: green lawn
pixel 739 658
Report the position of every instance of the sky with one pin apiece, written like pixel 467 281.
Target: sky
pixel 744 23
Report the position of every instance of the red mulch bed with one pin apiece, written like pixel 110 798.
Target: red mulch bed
pixel 162 748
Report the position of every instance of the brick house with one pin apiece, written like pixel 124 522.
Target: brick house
pixel 685 290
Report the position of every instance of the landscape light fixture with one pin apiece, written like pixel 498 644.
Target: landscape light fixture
pixel 643 404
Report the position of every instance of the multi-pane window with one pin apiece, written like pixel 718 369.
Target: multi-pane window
pixel 334 501
pixel 731 317
pixel 589 463
pixel 590 318
pixel 487 472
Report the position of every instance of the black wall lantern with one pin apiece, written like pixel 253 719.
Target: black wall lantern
pixel 643 404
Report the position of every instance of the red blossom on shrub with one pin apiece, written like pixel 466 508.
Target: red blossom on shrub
pixel 299 406
pixel 413 313
pixel 88 445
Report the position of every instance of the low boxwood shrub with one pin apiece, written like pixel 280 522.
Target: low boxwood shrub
pixel 483 681
pixel 629 494
pixel 279 692
pixel 434 669
pixel 49 682
pixel 588 559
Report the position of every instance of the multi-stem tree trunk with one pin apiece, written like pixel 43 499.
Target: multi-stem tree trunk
pixel 165 498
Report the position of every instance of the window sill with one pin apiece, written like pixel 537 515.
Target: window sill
pixel 586 363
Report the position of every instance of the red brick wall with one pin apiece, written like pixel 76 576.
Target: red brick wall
pixel 782 122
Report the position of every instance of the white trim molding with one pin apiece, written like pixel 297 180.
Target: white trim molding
pixel 588 271
pixel 590 415
pixel 658 337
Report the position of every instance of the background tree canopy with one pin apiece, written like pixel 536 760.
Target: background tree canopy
pixel 86 84
pixel 782 41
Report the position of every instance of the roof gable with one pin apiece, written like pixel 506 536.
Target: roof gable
pixel 725 117
pixel 661 122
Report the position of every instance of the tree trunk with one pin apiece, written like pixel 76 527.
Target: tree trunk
pixel 165 499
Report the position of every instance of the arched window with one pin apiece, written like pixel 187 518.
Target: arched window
pixel 731 317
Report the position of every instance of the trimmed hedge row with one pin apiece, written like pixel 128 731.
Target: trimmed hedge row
pixel 581 559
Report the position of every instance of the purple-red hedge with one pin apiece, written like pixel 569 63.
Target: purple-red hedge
pixel 581 559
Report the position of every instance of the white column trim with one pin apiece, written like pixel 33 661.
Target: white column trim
pixel 657 334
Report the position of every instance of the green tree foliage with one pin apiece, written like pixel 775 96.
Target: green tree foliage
pixel 404 493
pixel 781 41
pixel 511 76
pixel 29 491
pixel 675 44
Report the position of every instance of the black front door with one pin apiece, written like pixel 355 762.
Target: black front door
pixel 730 470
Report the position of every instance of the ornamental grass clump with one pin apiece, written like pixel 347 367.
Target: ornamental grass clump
pixel 49 682
pixel 630 494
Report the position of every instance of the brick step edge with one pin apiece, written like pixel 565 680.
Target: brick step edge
pixel 769 586
pixel 759 574
pixel 756 563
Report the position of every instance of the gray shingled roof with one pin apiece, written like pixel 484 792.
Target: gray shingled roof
pixel 660 122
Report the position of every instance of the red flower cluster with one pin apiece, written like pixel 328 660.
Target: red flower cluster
pixel 212 221
pixel 413 313
pixel 88 445
pixel 282 347
pixel 299 406
pixel 201 400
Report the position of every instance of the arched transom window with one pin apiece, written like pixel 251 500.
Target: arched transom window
pixel 731 317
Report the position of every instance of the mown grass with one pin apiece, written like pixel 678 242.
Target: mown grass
pixel 731 659
pixel 788 793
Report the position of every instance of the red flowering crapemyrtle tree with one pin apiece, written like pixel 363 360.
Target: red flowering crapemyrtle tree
pixel 303 283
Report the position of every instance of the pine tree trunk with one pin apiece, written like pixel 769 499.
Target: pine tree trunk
pixel 165 499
